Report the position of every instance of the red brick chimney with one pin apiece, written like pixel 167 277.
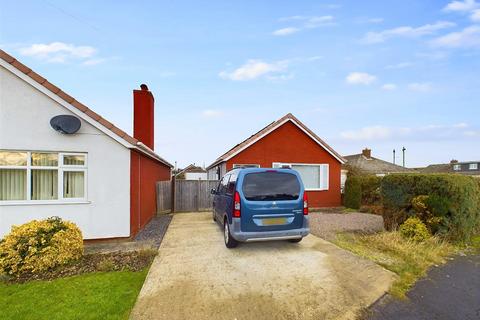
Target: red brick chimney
pixel 143 113
pixel 367 153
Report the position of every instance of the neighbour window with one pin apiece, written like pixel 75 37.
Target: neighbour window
pixel 239 165
pixel 457 167
pixel 473 166
pixel 314 176
pixel 33 176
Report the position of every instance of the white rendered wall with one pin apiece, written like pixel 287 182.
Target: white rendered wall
pixel 25 114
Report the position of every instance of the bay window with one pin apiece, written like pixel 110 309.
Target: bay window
pixel 31 176
pixel 314 176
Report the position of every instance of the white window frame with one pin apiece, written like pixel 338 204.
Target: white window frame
pixel 473 166
pixel 457 167
pixel 60 167
pixel 251 165
pixel 320 165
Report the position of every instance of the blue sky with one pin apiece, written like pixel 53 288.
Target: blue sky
pixel 358 73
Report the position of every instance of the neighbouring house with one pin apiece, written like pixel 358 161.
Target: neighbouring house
pixel 471 168
pixel 192 172
pixel 60 158
pixel 287 142
pixel 366 164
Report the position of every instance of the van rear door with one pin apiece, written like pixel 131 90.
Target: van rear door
pixel 271 201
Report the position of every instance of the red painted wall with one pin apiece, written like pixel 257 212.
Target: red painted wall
pixel 288 143
pixel 144 173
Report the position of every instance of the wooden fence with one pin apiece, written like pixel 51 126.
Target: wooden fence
pixel 185 195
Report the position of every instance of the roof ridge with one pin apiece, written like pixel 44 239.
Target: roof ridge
pixel 288 116
pixel 72 101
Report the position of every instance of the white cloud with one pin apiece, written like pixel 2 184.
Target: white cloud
pixel 420 86
pixel 360 78
pixel 461 6
pixel 211 113
pixel 254 69
pixel 475 15
pixel 406 32
pixel 467 38
pixel 304 22
pixel 314 58
pixel 427 132
pixel 285 31
pixel 400 65
pixel 375 20
pixel 59 52
pixel 389 86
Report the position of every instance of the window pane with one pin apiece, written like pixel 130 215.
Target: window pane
pixel 13 184
pixel 13 158
pixel 74 160
pixel 44 159
pixel 310 176
pixel 73 184
pixel 44 184
pixel 264 186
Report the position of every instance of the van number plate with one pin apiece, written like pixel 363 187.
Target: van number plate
pixel 274 221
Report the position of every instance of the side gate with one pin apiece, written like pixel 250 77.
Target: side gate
pixel 185 195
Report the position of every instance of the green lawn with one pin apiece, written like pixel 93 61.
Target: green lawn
pixel 103 295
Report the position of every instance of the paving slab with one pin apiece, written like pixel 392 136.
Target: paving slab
pixel 195 276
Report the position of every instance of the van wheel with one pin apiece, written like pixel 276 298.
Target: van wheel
pixel 295 240
pixel 227 236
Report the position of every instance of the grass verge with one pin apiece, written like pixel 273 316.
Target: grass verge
pixel 99 295
pixel 408 259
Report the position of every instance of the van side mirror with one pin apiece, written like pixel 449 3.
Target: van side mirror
pixel 213 191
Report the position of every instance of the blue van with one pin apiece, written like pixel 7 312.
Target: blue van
pixel 257 204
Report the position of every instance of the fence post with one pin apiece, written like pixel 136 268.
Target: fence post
pixel 173 193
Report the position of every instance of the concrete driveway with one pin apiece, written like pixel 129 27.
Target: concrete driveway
pixel 195 277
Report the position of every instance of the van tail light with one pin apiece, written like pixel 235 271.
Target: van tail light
pixel 236 205
pixel 305 203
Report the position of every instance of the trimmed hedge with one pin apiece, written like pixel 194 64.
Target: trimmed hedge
pixel 456 200
pixel 362 190
pixel 370 185
pixel 353 193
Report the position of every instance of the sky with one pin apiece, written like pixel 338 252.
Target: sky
pixel 376 74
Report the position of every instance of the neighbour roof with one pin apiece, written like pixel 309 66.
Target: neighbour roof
pixel 448 168
pixel 81 107
pixel 373 165
pixel 192 168
pixel 269 128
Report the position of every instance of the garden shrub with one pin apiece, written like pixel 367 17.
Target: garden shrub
pixel 353 193
pixel 38 246
pixel 453 202
pixel 370 186
pixel 413 228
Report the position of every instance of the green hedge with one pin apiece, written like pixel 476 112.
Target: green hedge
pixel 353 193
pixel 370 185
pixel 457 198
pixel 362 190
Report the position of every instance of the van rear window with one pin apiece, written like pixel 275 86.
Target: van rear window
pixel 261 186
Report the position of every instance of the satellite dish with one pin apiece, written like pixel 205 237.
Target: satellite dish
pixel 66 124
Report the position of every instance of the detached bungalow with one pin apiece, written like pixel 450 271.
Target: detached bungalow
pixel 59 158
pixel 287 142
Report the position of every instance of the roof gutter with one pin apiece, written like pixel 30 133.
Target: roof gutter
pixel 149 152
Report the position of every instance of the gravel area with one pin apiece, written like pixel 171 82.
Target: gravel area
pixel 149 238
pixel 155 230
pixel 326 225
